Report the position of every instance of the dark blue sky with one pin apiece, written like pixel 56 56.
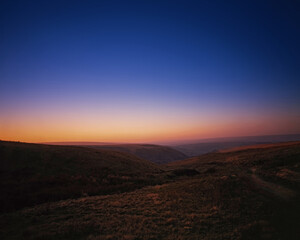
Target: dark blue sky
pixel 195 57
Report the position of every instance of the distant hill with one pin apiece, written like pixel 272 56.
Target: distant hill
pixel 154 153
pixel 36 173
pixel 259 146
pixel 250 155
pixel 77 143
pixel 198 147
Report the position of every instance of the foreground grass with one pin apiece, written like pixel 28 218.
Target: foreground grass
pixel 213 207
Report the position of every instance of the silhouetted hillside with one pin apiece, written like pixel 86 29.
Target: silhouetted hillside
pixel 153 153
pixel 35 173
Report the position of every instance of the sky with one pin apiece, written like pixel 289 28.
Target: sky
pixel 148 71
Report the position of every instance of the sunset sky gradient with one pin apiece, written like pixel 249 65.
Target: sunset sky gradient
pixel 148 71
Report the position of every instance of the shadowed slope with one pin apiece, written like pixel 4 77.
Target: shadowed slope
pixel 153 153
pixel 35 173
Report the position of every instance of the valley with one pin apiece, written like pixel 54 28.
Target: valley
pixel 249 193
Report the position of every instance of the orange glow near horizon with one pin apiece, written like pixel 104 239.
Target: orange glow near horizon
pixel 137 126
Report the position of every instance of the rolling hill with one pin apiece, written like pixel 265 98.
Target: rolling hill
pixel 259 146
pixel 249 193
pixel 36 173
pixel 196 148
pixel 154 153
pixel 246 155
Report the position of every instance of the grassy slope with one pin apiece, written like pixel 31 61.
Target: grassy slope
pixel 197 149
pixel 258 146
pixel 153 153
pixel 249 194
pixel 213 145
pixel 34 173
